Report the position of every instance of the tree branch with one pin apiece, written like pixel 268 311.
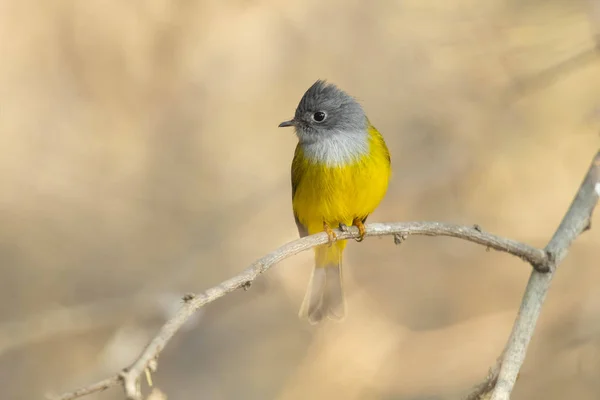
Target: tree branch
pixel 501 379
pixel 502 376
pixel 89 389
pixel 130 377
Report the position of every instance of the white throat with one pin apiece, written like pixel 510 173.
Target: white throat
pixel 337 148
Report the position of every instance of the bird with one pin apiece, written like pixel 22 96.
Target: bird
pixel 340 173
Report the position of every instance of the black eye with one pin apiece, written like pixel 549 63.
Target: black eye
pixel 319 116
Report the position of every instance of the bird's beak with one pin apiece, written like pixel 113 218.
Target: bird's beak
pixel 284 124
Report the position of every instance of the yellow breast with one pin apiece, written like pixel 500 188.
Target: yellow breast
pixel 338 194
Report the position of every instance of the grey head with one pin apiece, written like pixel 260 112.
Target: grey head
pixel 324 111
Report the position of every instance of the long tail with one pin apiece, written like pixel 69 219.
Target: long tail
pixel 325 293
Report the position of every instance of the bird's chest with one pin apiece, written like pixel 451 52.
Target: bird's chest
pixel 340 193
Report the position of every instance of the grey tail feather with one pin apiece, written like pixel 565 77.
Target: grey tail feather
pixel 324 295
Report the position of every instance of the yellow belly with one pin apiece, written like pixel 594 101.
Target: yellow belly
pixel 339 194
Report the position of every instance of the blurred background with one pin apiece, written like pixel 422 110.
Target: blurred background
pixel 141 160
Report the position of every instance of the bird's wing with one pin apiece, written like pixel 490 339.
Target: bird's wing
pixel 298 169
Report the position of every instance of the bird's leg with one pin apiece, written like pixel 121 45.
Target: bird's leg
pixel 361 229
pixel 330 233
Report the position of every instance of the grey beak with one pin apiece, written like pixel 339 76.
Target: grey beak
pixel 284 124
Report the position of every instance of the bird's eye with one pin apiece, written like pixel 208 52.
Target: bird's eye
pixel 319 116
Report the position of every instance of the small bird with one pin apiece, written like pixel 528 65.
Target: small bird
pixel 340 173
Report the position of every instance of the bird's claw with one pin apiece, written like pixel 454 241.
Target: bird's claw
pixel 332 237
pixel 361 229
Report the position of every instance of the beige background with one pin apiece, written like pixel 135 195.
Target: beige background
pixel 141 160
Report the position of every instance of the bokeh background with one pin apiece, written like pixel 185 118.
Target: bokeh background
pixel 140 160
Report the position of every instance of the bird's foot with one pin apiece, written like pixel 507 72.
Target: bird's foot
pixel 361 229
pixel 330 234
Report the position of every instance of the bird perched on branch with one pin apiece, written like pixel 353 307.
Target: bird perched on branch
pixel 340 174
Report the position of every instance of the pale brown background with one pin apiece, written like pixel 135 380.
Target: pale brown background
pixel 140 159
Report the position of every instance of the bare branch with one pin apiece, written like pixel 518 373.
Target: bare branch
pixel 576 221
pixel 93 388
pixel 130 377
pixel 501 377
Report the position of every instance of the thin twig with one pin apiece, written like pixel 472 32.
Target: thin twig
pixel 93 388
pixel 576 220
pixel 130 377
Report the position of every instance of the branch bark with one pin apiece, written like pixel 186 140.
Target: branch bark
pixel 501 379
pixel 130 376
